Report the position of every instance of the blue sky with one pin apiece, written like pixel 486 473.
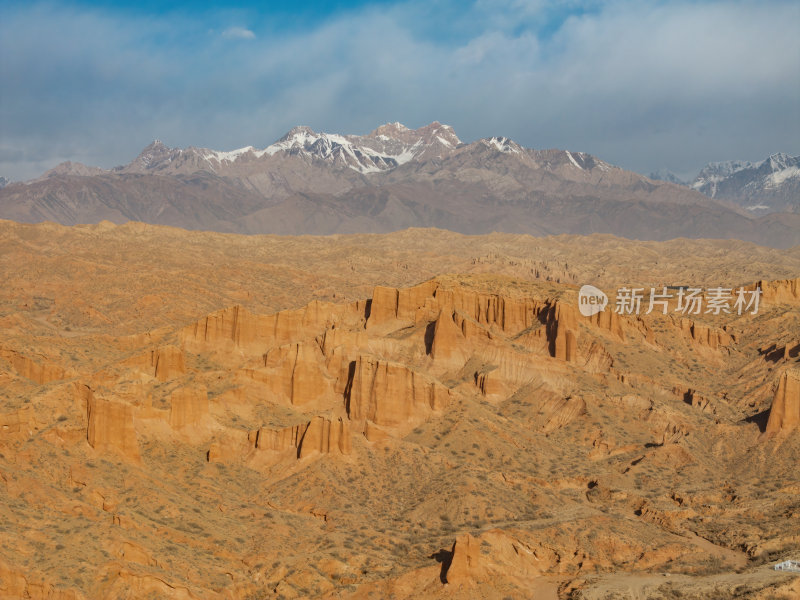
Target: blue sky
pixel 642 84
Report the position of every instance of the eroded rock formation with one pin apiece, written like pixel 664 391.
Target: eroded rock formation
pixel 782 291
pixel 111 428
pixel 38 371
pixel 465 567
pixel 296 373
pixel 236 327
pixel 167 362
pixel 448 345
pixel 318 436
pixel 704 335
pixel 391 394
pixel 784 416
pixel 188 407
pixel 562 332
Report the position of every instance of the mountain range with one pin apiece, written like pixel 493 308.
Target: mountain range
pixel 390 179
pixel 770 185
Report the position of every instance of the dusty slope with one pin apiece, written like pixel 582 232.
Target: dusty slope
pixel 158 442
pixel 74 274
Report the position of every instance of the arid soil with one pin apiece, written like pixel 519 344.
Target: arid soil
pixel 420 414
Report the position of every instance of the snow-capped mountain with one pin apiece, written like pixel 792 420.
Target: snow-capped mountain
pixel 769 185
pixel 342 156
pixel 667 175
pixel 383 149
pixel 4 182
pixel 391 178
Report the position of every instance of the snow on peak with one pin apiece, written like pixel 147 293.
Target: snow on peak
pixel 345 151
pixel 390 128
pixel 154 153
pixel 387 147
pixel 503 144
pixel 572 159
pixel 747 178
pixel 778 177
pixel 229 156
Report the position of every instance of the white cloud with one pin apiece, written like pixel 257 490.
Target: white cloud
pixel 644 85
pixel 239 33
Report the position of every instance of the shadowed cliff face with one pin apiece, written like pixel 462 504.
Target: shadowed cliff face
pixel 473 430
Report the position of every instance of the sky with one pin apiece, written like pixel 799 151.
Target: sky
pixel 645 85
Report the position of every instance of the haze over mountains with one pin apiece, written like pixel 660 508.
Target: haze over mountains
pixel 770 185
pixel 390 179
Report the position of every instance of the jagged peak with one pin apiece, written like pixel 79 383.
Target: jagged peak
pixel 775 161
pixel 386 147
pixel 155 147
pixel 156 143
pixel 501 144
pixel 299 131
pixel 389 129
pixel 781 160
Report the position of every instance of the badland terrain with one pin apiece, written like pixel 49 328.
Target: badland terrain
pixel 417 414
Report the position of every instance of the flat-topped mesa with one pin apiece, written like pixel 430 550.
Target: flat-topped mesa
pixel 318 436
pixel 509 315
pixel 388 303
pixel 236 327
pixel 495 313
pixel 110 427
pixel 390 394
pixel 424 301
pixel 782 291
pixel 784 415
pixel 704 335
pixel 429 301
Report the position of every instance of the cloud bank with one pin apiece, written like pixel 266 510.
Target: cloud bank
pixel 641 84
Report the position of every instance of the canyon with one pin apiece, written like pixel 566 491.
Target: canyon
pixel 421 414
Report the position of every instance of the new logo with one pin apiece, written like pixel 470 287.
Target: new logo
pixel 591 300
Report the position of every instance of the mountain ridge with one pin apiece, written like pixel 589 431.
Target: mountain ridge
pixel 761 187
pixel 395 143
pixel 389 179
